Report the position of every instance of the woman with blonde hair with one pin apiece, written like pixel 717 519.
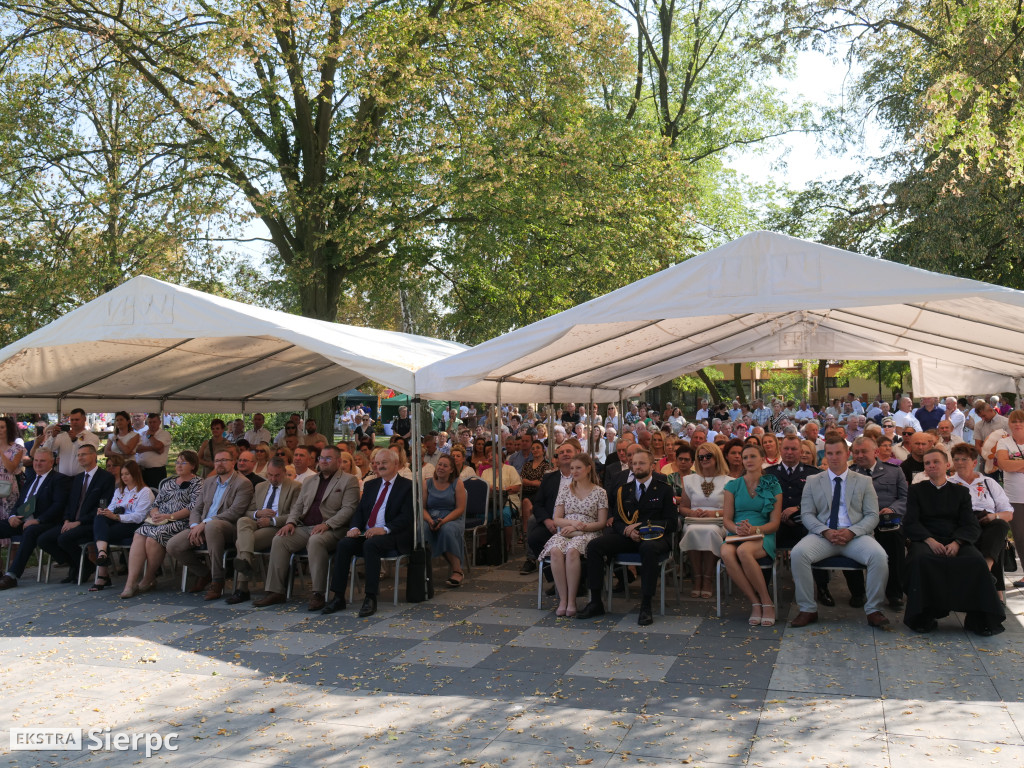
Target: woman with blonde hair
pixel 701 503
pixel 770 444
pixel 580 513
pixel 347 464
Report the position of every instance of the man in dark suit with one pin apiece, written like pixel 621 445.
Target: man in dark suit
pixel 381 527
pixel 616 468
pixel 892 489
pixel 39 509
pixel 645 500
pixel 89 490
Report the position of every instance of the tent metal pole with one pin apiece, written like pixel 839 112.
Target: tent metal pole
pixel 417 476
pixel 550 445
pixel 499 465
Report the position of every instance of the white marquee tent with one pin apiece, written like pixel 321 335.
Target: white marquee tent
pixel 764 296
pixel 152 346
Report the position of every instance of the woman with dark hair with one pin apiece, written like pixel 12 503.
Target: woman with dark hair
pixel 129 507
pixel 444 512
pixel 123 440
pixel 752 513
pixel 213 445
pixel 11 454
pixel 168 516
pixel 733 453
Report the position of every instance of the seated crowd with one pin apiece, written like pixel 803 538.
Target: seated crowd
pixel 918 503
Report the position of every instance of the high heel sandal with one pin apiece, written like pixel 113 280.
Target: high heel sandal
pixel 452 582
pixel 560 611
pixel 129 592
pixel 767 621
pixel 755 621
pixel 706 593
pixel 101 583
pixel 570 611
pixel 696 591
pixel 103 559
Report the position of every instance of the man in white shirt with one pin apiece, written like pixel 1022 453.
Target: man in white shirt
pixel 66 444
pixel 151 452
pixel 805 412
pixel 304 462
pixel 258 434
pixel 956 417
pixel 904 417
pixel 702 411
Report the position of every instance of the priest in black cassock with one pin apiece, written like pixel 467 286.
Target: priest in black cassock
pixel 945 571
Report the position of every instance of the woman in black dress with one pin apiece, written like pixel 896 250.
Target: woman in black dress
pixel 945 571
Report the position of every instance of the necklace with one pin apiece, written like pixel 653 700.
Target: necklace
pixel 707 487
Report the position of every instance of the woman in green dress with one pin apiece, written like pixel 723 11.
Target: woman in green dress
pixel 752 507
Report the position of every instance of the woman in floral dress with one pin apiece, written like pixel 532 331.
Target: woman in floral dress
pixel 580 513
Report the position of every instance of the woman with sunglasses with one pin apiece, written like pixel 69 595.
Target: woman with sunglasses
pixel 262 454
pixel 701 503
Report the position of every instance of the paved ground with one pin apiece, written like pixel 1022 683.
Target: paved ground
pixel 479 677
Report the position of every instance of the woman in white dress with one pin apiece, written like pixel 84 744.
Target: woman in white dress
pixel 701 502
pixel 580 513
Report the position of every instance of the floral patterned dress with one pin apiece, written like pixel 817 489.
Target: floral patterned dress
pixel 579 510
pixel 8 504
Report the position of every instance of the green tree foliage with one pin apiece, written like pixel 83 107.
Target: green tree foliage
pixel 92 189
pixel 943 77
pixel 895 374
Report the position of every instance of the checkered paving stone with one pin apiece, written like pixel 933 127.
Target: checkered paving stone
pixel 479 676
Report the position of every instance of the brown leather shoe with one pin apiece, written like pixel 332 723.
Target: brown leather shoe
pixel 271 598
pixel 804 618
pixel 316 602
pixel 877 619
pixel 201 585
pixel 215 591
pixel 8 582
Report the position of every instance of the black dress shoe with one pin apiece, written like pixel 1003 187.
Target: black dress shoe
pixel 529 566
pixel 369 606
pixel 238 596
pixel 646 617
pixel 592 610
pixel 825 597
pixel 858 601
pixel 551 591
pixel 333 605
pixel 71 578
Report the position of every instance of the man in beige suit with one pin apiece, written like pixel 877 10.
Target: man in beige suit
pixel 839 509
pixel 272 503
pixel 318 521
pixel 226 496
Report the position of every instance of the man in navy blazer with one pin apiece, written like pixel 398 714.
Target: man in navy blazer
pixel 39 509
pixel 64 543
pixel 381 527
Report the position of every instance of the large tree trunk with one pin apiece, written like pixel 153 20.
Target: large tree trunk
pixel 712 389
pixel 737 381
pixel 822 389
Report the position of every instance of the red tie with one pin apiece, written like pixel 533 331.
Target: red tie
pixel 377 506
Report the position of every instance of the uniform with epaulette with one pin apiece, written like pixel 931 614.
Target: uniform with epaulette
pixel 650 507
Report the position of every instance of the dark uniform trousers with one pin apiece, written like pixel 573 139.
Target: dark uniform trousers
pixel 604 548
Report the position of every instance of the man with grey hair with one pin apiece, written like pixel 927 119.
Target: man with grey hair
pixel 39 509
pixel 956 417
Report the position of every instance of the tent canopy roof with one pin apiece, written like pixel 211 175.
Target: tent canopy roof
pixel 150 345
pixel 764 296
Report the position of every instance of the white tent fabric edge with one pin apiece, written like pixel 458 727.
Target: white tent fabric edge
pixel 764 296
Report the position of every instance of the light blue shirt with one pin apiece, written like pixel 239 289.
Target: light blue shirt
pixel 218 494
